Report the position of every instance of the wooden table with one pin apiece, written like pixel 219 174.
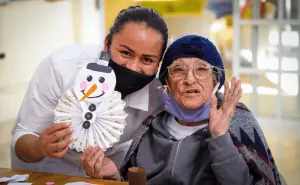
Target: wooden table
pixel 39 178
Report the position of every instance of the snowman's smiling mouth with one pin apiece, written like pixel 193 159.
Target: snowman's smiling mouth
pixel 93 96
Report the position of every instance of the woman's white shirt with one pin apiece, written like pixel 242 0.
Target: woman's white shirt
pixel 54 75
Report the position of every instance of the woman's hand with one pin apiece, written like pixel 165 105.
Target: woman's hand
pixel 219 119
pixel 96 165
pixel 50 142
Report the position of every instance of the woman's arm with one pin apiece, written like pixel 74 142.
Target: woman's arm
pixel 34 136
pixel 33 148
pixel 228 164
pixel 23 145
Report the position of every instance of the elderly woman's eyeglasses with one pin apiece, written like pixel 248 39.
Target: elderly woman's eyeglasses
pixel 201 71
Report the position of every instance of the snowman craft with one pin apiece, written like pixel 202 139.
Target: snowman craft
pixel 94 109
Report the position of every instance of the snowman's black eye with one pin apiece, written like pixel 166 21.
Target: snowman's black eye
pixel 89 78
pixel 101 79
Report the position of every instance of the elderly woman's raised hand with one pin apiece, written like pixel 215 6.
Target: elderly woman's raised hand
pixel 219 119
pixel 96 165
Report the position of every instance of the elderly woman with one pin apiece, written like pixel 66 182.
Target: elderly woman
pixel 200 137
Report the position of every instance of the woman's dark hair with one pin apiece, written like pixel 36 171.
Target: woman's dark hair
pixel 140 14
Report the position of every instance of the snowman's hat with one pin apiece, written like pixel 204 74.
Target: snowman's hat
pixel 98 67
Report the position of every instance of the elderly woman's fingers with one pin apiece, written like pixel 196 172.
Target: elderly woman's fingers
pixel 99 162
pixel 237 88
pixel 232 85
pixel 85 153
pixel 91 162
pixel 83 157
pixel 87 161
pixel 235 85
pixel 109 169
pixel 226 91
pixel 92 153
pixel 236 93
pixel 213 104
pixel 238 96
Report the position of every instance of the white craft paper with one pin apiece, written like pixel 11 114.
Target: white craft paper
pixel 106 123
pixel 93 75
pixel 15 178
pixel 79 183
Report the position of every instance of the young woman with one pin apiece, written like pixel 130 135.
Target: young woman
pixel 136 41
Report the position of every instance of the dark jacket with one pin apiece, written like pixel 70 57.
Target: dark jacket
pixel 200 159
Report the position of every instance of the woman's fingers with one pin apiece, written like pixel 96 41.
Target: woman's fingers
pixel 99 162
pixel 82 160
pixel 232 85
pixel 236 88
pixel 56 147
pixel 238 96
pixel 56 136
pixel 91 154
pixel 90 160
pixel 226 91
pixel 233 96
pixel 51 146
pixel 60 153
pixel 56 127
pixel 85 153
pixel 213 103
pixel 109 169
pixel 237 93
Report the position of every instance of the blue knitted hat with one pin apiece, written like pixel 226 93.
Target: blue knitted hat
pixel 192 46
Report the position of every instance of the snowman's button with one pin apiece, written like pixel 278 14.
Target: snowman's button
pixel 88 115
pixel 92 107
pixel 86 125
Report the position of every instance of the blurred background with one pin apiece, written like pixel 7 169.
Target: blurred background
pixel 258 41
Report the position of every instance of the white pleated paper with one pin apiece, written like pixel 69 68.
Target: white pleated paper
pixel 107 124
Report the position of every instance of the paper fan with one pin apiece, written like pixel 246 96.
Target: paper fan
pixel 95 110
pixel 94 124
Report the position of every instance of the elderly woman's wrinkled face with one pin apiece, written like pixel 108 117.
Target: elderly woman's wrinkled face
pixel 191 82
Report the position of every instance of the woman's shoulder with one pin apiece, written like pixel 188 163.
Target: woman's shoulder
pixel 242 112
pixel 76 51
pixel 155 102
pixel 244 125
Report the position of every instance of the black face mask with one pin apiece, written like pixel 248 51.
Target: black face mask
pixel 129 81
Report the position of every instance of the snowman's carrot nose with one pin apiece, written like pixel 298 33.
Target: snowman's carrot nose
pixel 90 91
